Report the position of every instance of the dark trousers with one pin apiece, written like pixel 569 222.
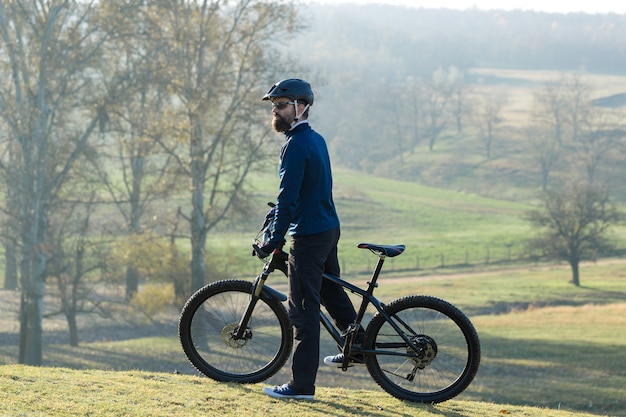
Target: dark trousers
pixel 309 257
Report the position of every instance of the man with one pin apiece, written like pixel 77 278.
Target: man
pixel 306 210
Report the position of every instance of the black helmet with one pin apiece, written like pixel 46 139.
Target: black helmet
pixel 292 88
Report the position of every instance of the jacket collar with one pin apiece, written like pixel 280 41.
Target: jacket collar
pixel 298 127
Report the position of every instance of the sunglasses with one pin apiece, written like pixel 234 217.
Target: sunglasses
pixel 281 104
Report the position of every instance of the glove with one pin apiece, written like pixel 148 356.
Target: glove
pixel 264 250
pixel 269 216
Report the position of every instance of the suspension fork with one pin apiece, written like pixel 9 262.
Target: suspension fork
pixel 257 288
pixel 277 261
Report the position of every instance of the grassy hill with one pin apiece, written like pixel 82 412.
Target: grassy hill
pixel 442 228
pixel 458 161
pixel 549 349
pixel 60 392
pixel 431 222
pixel 547 346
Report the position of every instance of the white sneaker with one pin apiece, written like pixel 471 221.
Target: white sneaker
pixel 284 392
pixel 337 360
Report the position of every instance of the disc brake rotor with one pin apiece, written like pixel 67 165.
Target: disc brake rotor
pixel 228 336
pixel 426 352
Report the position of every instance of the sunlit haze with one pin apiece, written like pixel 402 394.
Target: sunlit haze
pixel 551 6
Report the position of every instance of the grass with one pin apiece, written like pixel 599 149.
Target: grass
pixel 549 349
pixel 544 338
pixel 503 291
pixel 64 392
pixel 557 351
pixel 438 226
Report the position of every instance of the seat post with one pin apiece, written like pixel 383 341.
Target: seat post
pixel 371 284
pixel 379 266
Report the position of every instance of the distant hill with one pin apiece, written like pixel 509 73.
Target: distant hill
pixel 613 101
pixel 398 39
pixel 363 59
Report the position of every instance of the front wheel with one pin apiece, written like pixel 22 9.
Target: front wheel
pixel 441 360
pixel 208 326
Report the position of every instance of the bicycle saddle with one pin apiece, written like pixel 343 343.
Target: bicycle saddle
pixel 387 250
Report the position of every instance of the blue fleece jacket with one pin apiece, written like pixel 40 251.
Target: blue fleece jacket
pixel 305 201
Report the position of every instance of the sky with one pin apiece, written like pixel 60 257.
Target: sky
pixel 550 6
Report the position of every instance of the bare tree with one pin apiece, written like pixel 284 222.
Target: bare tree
pixel 545 149
pixel 487 117
pixel 11 209
pixel 74 257
pixel 459 94
pixel 596 133
pixel 411 94
pixel 573 224
pixel 589 135
pixel 217 62
pixel 134 126
pixel 596 142
pixel 576 93
pixel 572 130
pixel 546 129
pixel 50 108
pixel 549 108
pixel 437 101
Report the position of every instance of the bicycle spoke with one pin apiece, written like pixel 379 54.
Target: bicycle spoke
pixel 209 327
pixel 440 360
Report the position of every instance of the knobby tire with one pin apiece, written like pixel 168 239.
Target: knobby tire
pixel 447 358
pixel 210 318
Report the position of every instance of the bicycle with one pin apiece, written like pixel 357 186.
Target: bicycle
pixel 417 348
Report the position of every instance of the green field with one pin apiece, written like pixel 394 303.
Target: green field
pixel 442 229
pixel 432 223
pixel 546 344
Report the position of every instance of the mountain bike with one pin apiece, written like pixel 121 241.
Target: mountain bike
pixel 417 348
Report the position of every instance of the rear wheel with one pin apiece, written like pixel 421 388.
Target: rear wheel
pixel 208 326
pixel 444 357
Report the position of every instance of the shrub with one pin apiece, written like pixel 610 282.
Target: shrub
pixel 151 300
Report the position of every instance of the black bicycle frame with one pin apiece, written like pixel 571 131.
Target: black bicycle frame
pixel 367 298
pixel 259 290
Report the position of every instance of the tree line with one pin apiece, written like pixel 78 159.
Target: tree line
pixel 417 41
pixel 407 78
pixel 108 110
pixel 560 137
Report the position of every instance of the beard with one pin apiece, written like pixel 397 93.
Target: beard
pixel 280 124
